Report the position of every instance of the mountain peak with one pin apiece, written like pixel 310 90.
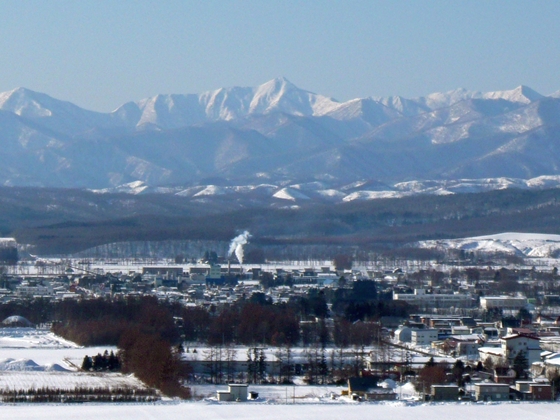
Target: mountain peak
pixel 521 94
pixel 18 92
pixel 281 80
pixel 279 84
pixel 528 93
pixel 281 95
pixel 25 102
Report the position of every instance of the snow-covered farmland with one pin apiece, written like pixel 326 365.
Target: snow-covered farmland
pixel 35 358
pixel 14 380
pixel 43 347
pixel 21 338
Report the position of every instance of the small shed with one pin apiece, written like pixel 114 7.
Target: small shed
pixel 236 392
pixel 367 387
pixel 362 385
pixel 445 392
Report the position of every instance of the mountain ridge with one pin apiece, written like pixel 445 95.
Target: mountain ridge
pixel 280 132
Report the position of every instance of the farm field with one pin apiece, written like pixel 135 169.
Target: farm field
pixel 42 347
pixel 14 380
pixel 36 358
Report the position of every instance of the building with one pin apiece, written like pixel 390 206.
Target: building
pixel 422 299
pixel 362 385
pixel 236 392
pixel 215 272
pixel 533 391
pixel 445 392
pixel 168 272
pixel 424 337
pixel 487 391
pixel 367 388
pixel 503 302
pixel 403 334
pixel 513 344
pixel 510 346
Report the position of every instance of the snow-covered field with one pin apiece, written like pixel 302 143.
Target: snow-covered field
pixel 257 411
pixel 43 348
pixel 35 358
pixel 65 380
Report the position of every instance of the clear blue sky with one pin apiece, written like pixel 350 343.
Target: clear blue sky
pixel 100 54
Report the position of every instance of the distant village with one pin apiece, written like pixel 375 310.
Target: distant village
pixel 469 333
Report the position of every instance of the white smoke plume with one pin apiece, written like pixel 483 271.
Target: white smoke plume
pixel 236 245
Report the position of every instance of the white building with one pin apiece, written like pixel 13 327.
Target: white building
pixel 503 302
pixel 433 300
pixel 515 343
pixel 236 392
pixel 510 346
pixel 424 337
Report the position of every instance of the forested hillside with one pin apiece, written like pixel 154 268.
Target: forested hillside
pixel 61 221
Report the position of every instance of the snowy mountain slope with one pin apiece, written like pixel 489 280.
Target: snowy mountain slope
pixel 173 111
pixel 290 194
pixel 521 94
pixel 369 111
pixel 434 101
pixel 53 114
pixel 282 132
pixel 513 243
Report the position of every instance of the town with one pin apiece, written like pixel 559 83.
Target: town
pixel 425 332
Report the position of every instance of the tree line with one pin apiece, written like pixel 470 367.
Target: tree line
pixel 143 329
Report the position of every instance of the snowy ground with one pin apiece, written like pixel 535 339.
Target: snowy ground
pixel 31 358
pixel 536 245
pixel 43 348
pixel 279 394
pixel 66 380
pixel 257 411
pixel 25 351
pixel 299 394
pixel 21 338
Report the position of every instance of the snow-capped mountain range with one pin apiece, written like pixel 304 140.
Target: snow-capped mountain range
pixel 276 137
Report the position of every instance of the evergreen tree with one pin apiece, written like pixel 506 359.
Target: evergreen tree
pixel 87 363
pixel 430 362
pixel 458 370
pixel 251 371
pixel 520 364
pixel 262 366
pixel 98 362
pixel 113 363
pixel 323 367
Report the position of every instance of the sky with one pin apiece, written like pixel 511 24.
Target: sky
pixel 100 54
